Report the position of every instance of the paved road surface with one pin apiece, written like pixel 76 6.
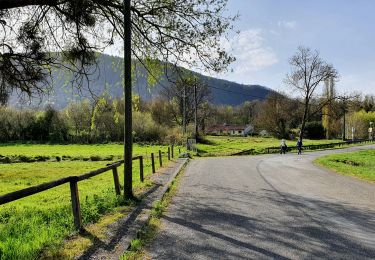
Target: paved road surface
pixel 267 207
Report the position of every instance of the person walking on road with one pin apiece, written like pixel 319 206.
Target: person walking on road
pixel 283 146
pixel 299 146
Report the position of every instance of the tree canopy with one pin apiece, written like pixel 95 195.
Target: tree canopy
pixel 38 36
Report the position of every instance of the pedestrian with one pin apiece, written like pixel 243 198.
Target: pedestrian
pixel 299 146
pixel 283 146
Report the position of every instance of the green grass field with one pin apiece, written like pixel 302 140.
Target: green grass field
pixel 49 152
pixel 357 164
pixel 42 221
pixel 224 145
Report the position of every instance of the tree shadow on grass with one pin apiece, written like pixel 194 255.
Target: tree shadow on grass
pixel 117 230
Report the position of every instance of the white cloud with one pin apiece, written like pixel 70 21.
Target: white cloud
pixel 287 24
pixel 251 52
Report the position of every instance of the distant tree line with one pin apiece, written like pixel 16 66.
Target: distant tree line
pixel 161 119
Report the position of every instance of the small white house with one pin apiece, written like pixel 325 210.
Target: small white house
pixel 235 130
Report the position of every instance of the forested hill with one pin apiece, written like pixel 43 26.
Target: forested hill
pixel 107 78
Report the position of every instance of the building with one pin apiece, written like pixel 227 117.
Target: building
pixel 227 130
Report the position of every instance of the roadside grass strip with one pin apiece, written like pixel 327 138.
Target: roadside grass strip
pixel 150 230
pixel 359 164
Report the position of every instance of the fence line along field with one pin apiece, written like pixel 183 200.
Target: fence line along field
pixel 225 145
pixel 41 222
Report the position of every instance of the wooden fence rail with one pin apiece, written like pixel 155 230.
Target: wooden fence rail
pixel 276 149
pixel 73 181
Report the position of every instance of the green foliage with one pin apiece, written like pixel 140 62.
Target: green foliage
pixel 314 130
pixel 47 125
pixel 80 122
pixel 146 129
pixel 357 164
pixel 361 121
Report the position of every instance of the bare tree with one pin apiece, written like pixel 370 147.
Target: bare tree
pixel 308 70
pixel 182 92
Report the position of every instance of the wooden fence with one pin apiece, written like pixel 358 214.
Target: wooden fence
pixel 73 181
pixel 270 150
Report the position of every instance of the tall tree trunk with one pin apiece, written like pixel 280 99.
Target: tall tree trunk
pixel 128 137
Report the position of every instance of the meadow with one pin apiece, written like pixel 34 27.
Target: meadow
pixel 224 145
pixel 356 164
pixel 41 222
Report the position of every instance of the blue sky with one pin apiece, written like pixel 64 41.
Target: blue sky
pixel 342 31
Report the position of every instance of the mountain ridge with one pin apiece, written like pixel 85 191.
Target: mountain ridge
pixel 107 79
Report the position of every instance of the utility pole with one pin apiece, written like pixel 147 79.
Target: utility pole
pixel 184 108
pixel 196 109
pixel 344 126
pixel 128 138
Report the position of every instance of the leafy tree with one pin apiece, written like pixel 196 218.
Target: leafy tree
pixel 78 115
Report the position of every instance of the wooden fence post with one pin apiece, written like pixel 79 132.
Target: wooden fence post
pixel 179 151
pixel 76 207
pixel 172 151
pixel 116 180
pixel 141 168
pixel 169 153
pixel 160 159
pixel 153 162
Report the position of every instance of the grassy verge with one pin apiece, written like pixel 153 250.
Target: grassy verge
pixel 225 145
pixel 41 222
pixel 150 230
pixel 359 164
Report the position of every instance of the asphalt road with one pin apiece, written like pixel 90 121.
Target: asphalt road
pixel 268 207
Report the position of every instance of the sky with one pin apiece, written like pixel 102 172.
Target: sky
pixel 343 31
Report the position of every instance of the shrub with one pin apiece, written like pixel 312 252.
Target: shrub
pixel 146 129
pixel 95 158
pixel 314 130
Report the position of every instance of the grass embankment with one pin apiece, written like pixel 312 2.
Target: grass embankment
pixel 41 222
pixel 357 164
pixel 224 145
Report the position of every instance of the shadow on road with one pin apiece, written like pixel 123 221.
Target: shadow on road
pixel 290 227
